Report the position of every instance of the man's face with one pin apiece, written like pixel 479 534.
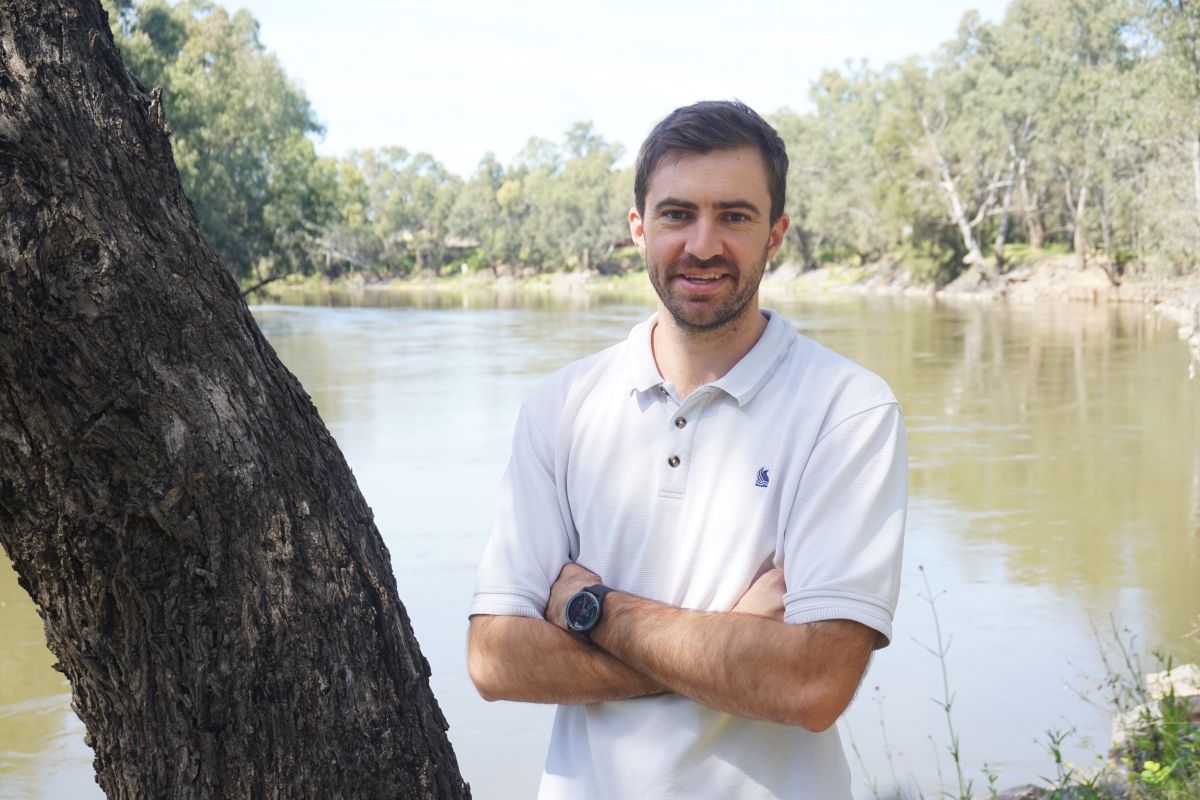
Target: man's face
pixel 706 235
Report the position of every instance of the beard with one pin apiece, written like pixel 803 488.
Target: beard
pixel 689 315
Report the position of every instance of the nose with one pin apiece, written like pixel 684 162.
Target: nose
pixel 704 242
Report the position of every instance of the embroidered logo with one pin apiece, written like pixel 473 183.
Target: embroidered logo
pixel 763 478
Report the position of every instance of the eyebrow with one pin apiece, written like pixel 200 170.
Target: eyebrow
pixel 723 205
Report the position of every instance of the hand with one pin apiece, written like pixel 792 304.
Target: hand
pixel 571 580
pixel 764 598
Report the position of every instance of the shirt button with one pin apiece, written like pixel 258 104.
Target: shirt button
pixel 673 461
pixel 680 422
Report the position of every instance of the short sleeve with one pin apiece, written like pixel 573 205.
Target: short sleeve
pixel 844 538
pixel 528 545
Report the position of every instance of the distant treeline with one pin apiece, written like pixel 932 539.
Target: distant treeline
pixel 1071 125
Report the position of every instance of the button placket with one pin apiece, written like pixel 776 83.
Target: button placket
pixel 677 460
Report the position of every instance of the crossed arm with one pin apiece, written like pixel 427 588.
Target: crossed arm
pixel 746 661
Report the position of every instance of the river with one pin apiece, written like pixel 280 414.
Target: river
pixel 1055 492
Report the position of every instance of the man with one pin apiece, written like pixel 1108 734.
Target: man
pixel 697 541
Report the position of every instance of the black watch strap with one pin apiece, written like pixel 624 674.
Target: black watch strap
pixel 599 590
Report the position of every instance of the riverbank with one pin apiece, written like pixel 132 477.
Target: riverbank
pixel 1050 278
pixel 1054 278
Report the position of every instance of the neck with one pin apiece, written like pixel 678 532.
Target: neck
pixel 689 359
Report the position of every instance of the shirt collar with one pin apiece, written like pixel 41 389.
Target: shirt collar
pixel 643 372
pixel 744 379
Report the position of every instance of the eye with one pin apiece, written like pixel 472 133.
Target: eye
pixel 737 216
pixel 675 214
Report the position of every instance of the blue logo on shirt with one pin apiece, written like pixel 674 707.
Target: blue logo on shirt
pixel 763 478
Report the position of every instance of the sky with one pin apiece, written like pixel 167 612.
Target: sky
pixel 460 78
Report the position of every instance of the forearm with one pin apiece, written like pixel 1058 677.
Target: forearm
pixel 521 658
pixel 740 663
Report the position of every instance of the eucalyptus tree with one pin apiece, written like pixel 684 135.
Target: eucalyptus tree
pixel 585 199
pixel 239 130
pixel 475 215
pixel 1170 193
pixel 1005 94
pixel 927 124
pixel 835 176
pixel 409 198
pixel 568 201
pixel 1176 26
pixel 208 573
pixel 1086 54
pixel 349 241
pixel 1026 86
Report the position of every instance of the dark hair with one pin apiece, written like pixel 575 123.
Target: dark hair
pixel 713 125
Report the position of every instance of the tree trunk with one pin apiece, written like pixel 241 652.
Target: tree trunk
pixel 1035 229
pixel 1079 240
pixel 1196 174
pixel 1005 203
pixel 957 210
pixel 1105 225
pixel 806 245
pixel 210 578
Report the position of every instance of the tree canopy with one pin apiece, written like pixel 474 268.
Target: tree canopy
pixel 1070 125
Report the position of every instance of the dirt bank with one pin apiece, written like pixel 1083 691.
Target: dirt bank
pixel 1045 279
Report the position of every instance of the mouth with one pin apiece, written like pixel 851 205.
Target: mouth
pixel 702 280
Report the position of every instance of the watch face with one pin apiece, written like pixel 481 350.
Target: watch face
pixel 583 611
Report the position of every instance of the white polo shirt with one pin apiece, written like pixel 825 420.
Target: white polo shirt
pixel 795 458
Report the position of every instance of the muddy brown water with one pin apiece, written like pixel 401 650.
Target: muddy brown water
pixel 1055 492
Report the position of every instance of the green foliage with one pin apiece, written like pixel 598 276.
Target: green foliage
pixel 839 172
pixel 1163 754
pixel 239 130
pixel 1068 783
pixel 1071 125
pixel 930 262
pixel 556 206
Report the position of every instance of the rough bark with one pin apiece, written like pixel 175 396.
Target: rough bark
pixel 210 577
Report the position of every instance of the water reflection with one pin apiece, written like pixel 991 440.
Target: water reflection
pixel 558 296
pixel 1055 480
pixel 1081 453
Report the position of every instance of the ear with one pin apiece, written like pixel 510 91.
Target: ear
pixel 637 230
pixel 777 232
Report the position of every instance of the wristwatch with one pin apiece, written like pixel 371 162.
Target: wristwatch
pixel 585 608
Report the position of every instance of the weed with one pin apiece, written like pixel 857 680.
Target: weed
pixel 946 703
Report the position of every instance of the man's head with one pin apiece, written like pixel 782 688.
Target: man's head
pixel 707 126
pixel 709 190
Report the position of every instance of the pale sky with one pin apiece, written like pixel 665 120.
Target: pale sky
pixel 460 78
